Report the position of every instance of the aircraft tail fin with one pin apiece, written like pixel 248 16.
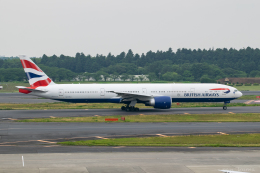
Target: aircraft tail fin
pixel 35 75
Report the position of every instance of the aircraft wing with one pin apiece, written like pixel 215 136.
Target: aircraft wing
pixel 132 96
pixel 30 89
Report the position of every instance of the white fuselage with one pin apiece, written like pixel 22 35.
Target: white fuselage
pixel 87 93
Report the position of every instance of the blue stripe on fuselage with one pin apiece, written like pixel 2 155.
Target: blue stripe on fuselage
pixel 118 100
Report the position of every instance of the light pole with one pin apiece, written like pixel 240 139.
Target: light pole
pixel 159 76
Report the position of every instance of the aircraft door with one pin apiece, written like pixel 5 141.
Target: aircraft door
pixel 102 92
pixel 61 92
pixel 144 91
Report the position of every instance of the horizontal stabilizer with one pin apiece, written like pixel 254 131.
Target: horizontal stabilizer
pixel 27 90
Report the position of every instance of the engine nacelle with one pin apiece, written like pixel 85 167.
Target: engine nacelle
pixel 162 102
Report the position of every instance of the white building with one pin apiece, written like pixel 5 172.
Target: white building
pixel 136 78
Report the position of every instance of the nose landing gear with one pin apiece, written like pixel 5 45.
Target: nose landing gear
pixel 225 103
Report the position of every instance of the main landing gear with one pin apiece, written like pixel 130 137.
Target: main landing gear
pixel 129 108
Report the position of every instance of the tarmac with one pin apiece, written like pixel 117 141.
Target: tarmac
pixel 23 114
pixel 134 162
pixel 14 133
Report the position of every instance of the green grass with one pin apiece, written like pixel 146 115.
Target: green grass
pixel 236 140
pixel 247 88
pixel 64 105
pixel 228 117
pixel 9 87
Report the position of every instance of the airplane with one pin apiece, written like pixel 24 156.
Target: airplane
pixel 159 96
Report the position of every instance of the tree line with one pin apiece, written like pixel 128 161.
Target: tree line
pixel 182 65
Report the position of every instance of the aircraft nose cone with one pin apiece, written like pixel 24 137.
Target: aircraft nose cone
pixel 239 94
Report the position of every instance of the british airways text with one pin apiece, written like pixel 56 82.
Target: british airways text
pixel 201 94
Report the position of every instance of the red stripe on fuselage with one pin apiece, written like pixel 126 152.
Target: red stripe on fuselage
pixel 42 83
pixel 28 64
pixel 220 89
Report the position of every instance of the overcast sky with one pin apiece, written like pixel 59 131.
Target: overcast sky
pixel 95 27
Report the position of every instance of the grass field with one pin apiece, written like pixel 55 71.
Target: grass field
pixel 63 105
pixel 230 117
pixel 9 87
pixel 237 140
pixel 248 88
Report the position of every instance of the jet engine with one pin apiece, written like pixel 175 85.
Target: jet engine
pixel 162 102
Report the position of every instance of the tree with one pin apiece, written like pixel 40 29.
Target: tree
pixel 253 73
pixel 141 77
pixel 190 64
pixel 132 77
pixel 206 79
pixel 70 75
pixel 81 77
pixel 171 76
pixel 87 75
pixel 105 75
pixel 187 76
pixel 151 77
pixel 115 76
pixel 124 76
pixel 97 76
pixel 129 56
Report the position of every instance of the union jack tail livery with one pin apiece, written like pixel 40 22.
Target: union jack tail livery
pixel 36 77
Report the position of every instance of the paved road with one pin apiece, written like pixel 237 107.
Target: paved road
pixel 251 93
pixel 12 133
pixel 18 114
pixel 22 98
pixel 188 161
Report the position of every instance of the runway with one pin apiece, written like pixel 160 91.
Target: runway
pixel 12 133
pixel 251 93
pixel 192 161
pixel 21 114
pixel 22 98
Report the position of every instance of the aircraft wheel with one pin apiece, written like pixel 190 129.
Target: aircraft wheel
pixel 127 109
pixel 136 109
pixel 123 108
pixel 132 109
pixel 224 107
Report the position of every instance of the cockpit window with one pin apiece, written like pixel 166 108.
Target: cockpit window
pixel 235 91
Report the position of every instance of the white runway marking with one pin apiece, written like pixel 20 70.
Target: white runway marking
pixel 23 161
